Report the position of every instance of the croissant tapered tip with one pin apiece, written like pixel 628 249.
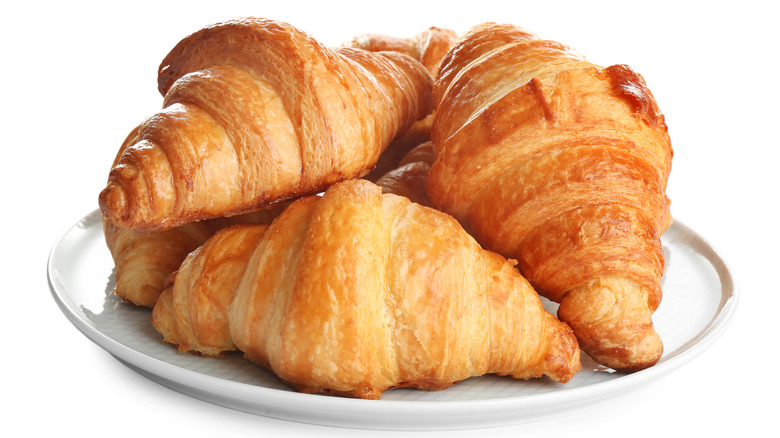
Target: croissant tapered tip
pixel 613 323
pixel 114 203
pixel 564 359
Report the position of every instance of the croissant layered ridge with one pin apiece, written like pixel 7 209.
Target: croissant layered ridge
pixel 562 165
pixel 254 112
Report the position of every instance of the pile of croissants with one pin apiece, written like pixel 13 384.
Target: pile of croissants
pixel 387 213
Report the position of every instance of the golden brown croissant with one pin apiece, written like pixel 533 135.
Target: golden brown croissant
pixel 143 262
pixel 355 292
pixel 192 311
pixel 256 111
pixel 562 165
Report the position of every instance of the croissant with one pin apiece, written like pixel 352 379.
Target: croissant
pixel 356 292
pixel 562 165
pixel 256 111
pixel 193 296
pixel 144 262
pixel 428 47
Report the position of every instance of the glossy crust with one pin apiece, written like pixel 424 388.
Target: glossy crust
pixel 256 111
pixel 192 311
pixel 356 292
pixel 562 165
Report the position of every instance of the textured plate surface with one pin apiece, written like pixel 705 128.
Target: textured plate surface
pixel 699 299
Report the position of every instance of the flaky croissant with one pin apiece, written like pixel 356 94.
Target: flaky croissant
pixel 562 165
pixel 356 292
pixel 191 311
pixel 256 111
pixel 417 134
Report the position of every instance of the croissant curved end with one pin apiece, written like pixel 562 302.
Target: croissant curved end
pixel 114 203
pixel 564 358
pixel 613 324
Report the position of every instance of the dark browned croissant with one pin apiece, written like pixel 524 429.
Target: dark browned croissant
pixel 355 292
pixel 256 111
pixel 562 165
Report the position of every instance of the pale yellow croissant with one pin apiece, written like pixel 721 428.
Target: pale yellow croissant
pixel 561 164
pixel 256 111
pixel 356 292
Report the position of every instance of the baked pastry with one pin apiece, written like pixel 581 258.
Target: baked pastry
pixel 192 311
pixel 256 111
pixel 194 291
pixel 562 165
pixel 144 261
pixel 355 292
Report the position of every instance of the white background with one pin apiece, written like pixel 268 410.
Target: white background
pixel 77 76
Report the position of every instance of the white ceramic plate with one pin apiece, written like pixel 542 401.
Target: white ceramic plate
pixel 699 299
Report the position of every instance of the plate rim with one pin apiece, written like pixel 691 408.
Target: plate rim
pixel 427 415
